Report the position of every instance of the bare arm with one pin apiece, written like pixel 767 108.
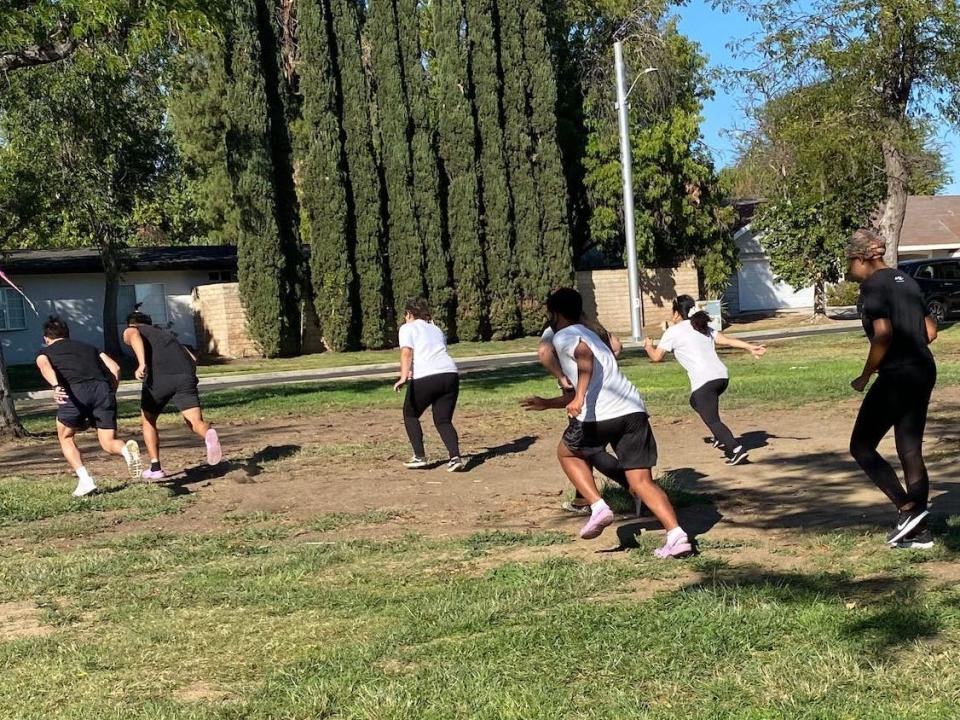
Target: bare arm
pixel 654 353
pixel 539 403
pixel 112 366
pixel 616 345
pixel 584 358
pixel 931 329
pixel 756 350
pixel 406 367
pixel 132 337
pixel 46 369
pixel 879 344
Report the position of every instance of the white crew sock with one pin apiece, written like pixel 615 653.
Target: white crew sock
pixel 599 505
pixel 82 474
pixel 676 535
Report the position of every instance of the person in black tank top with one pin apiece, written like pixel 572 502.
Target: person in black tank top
pixel 169 372
pixel 84 382
pixel 900 331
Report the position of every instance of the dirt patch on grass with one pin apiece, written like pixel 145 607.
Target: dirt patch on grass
pixel 21 620
pixel 201 692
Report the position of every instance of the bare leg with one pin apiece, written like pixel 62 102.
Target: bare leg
pixel 109 442
pixel 68 445
pixel 653 496
pixel 151 438
pixel 193 417
pixel 579 473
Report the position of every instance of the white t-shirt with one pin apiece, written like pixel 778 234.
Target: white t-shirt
pixel 429 346
pixel 609 394
pixel 696 353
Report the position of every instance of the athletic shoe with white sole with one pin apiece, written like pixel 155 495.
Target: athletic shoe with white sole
pixel 132 458
pixel 85 487
pixel 596 524
pixel 456 465
pixel 920 539
pixel 679 547
pixel 738 456
pixel 149 474
pixel 415 462
pixel 907 520
pixel 214 451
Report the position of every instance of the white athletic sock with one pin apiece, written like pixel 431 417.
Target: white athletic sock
pixel 676 534
pixel 599 505
pixel 82 474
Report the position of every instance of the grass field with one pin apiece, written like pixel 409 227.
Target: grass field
pixel 272 615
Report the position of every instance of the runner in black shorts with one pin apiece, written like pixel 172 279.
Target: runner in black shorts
pixel 84 382
pixel 900 330
pixel 611 412
pixel 169 373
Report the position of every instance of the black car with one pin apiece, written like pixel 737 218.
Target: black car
pixel 940 281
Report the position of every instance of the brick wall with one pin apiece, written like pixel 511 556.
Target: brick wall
pixel 221 321
pixel 606 294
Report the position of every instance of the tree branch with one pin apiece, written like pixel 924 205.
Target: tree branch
pixel 31 56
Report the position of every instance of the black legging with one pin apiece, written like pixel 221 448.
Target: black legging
pixel 706 401
pixel 899 400
pixel 440 392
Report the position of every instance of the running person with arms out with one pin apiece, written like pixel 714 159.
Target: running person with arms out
pixel 694 343
pixel 895 320
pixel 84 382
pixel 169 372
pixel 611 412
pixel 432 380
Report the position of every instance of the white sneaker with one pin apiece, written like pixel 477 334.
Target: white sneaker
pixel 456 465
pixel 415 463
pixel 85 486
pixel 132 458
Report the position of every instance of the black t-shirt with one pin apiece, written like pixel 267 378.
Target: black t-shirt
pixel 76 362
pixel 165 354
pixel 895 296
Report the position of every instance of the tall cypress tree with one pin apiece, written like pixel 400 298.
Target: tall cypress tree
pixel 407 252
pixel 557 251
pixel 325 215
pixel 364 180
pixel 458 142
pixel 426 174
pixel 267 273
pixel 486 70
pixel 528 248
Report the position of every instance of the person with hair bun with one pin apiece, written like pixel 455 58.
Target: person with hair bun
pixel 694 343
pixel 432 380
pixel 900 330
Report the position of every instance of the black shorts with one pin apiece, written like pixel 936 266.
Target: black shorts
pixel 630 435
pixel 89 404
pixel 160 390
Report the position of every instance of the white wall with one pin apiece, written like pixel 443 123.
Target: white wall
pixel 78 298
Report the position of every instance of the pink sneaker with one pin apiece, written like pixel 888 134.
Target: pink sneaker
pixel 214 453
pixel 149 474
pixel 596 524
pixel 679 548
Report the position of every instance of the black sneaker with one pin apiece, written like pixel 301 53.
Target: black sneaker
pixel 907 521
pixel 919 539
pixel 456 465
pixel 416 463
pixel 738 456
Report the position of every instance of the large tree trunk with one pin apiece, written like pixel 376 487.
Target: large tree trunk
pixel 895 207
pixel 10 426
pixel 111 293
pixel 819 299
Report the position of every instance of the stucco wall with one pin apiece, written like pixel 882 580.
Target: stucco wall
pixel 79 300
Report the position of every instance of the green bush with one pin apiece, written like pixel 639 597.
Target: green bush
pixel 843 293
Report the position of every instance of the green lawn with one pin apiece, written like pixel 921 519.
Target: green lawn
pixel 794 372
pixel 253 624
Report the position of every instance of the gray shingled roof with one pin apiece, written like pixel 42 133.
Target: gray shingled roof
pixel 188 257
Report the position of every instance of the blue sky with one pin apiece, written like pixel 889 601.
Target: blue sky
pixel 713 30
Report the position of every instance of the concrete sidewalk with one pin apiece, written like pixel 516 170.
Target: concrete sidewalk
pixel 131 389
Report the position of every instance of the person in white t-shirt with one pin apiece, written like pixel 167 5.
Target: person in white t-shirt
pixel 432 380
pixel 691 339
pixel 611 412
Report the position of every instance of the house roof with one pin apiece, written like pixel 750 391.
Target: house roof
pixel 931 220
pixel 185 257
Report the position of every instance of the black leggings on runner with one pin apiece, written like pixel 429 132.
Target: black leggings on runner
pixel 439 392
pixel 898 400
pixel 706 401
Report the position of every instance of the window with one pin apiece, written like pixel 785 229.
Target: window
pixel 925 273
pixel 948 271
pixel 12 316
pixel 151 297
pixel 222 276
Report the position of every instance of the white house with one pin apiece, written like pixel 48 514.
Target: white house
pixel 931 229
pixel 70 283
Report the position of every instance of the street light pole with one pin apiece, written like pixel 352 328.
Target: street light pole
pixel 626 164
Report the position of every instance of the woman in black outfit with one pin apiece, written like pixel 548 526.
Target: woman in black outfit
pixel 895 320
